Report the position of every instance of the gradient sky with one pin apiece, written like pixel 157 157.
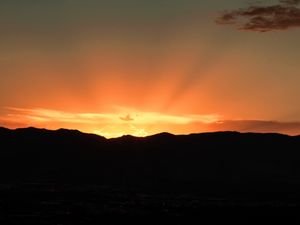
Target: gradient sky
pixel 141 67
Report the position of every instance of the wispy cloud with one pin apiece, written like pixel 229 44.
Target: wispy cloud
pixel 138 123
pixel 138 117
pixel 107 124
pixel 262 18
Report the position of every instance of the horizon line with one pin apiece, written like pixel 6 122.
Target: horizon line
pixel 141 137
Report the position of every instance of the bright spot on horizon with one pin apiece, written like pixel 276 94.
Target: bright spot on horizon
pixel 124 121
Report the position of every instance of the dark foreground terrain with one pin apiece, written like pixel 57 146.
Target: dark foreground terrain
pixel 67 177
pixel 32 203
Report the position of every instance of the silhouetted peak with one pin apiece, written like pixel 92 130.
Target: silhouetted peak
pixel 3 129
pixel 220 133
pixel 162 135
pixel 78 134
pixel 68 131
pixel 28 129
pixel 126 137
pixel 31 130
pixel 230 135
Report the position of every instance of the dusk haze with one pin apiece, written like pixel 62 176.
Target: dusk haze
pixel 180 66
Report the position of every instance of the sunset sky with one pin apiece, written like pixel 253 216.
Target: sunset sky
pixel 139 67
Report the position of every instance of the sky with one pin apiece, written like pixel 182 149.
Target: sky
pixel 142 67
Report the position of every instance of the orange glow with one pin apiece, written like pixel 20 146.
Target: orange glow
pixel 123 121
pixel 179 90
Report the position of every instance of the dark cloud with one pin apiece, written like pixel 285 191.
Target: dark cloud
pixel 291 128
pixel 282 16
pixel 290 2
pixel 126 118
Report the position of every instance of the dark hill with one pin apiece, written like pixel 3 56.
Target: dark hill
pixel 208 160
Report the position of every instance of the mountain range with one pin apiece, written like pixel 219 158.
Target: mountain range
pixel 207 160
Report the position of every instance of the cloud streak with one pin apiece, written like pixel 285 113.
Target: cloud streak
pixel 138 123
pixel 261 18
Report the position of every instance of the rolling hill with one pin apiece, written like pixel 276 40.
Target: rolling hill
pixel 213 160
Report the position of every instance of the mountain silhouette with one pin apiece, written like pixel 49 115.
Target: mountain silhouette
pixel 69 177
pixel 221 160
